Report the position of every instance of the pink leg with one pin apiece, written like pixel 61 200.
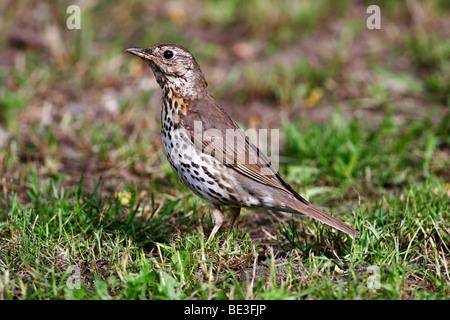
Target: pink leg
pixel 235 212
pixel 217 217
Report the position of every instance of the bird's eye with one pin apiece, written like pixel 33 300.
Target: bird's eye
pixel 168 54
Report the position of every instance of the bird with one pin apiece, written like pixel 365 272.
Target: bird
pixel 233 173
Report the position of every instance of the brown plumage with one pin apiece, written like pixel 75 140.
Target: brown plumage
pixel 209 152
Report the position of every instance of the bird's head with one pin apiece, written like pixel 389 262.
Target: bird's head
pixel 173 66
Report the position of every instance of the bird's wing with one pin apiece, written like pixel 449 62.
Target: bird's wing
pixel 222 138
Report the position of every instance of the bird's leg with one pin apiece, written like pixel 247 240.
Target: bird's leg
pixel 217 217
pixel 235 212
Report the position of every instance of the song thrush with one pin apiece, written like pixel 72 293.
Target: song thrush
pixel 194 127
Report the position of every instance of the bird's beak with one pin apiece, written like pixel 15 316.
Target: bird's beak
pixel 142 53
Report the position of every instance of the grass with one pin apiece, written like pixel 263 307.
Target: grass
pixel 90 209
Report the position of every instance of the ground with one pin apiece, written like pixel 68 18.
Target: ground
pixel 87 197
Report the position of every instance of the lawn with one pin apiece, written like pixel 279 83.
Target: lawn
pixel 90 208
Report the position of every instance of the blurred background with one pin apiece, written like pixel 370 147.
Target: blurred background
pixel 72 102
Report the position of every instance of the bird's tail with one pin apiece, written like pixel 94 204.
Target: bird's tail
pixel 311 211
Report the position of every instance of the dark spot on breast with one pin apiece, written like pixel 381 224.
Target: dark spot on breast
pixel 211 195
pixel 229 190
pixel 209 174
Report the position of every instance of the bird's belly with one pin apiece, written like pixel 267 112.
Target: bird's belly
pixel 203 174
